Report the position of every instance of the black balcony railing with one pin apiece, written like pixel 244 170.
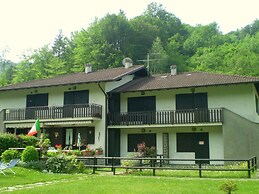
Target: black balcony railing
pixel 167 117
pixel 54 112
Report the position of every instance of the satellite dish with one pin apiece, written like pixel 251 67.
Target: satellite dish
pixel 127 62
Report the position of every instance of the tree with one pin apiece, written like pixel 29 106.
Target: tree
pixel 104 44
pixel 6 68
pixel 237 58
pixel 166 22
pixel 202 36
pixel 62 51
pixel 159 58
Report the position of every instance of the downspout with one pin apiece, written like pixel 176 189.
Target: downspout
pixel 105 125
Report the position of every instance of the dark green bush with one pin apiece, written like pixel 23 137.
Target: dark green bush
pixel 30 154
pixel 39 165
pixel 8 155
pixel 61 164
pixel 28 141
pixel 7 141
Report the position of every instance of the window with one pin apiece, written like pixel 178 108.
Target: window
pixel 185 142
pixel 139 104
pixel 135 139
pixel 191 101
pixel 34 100
pixel 76 97
pixel 146 105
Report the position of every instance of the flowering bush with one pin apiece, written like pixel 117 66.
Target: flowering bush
pixel 61 164
pixel 144 151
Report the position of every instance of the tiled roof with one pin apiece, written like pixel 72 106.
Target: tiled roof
pixel 78 78
pixel 185 80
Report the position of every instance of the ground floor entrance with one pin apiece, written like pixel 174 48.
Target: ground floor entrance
pixel 197 143
pixel 71 138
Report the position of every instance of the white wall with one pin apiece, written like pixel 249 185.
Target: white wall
pixel 215 141
pixel 237 98
pixel 112 85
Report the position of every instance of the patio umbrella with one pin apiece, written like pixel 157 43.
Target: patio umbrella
pixel 78 141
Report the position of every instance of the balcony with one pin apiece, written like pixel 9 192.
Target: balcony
pixel 54 112
pixel 193 116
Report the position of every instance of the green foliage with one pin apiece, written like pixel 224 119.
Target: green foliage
pixel 8 140
pixel 61 163
pixel 81 167
pixel 228 187
pixel 156 32
pixel 28 141
pixel 144 151
pixel 39 165
pixel 44 144
pixel 159 58
pixel 30 154
pixel 8 155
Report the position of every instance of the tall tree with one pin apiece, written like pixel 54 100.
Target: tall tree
pixel 159 58
pixel 62 51
pixel 104 43
pixel 202 36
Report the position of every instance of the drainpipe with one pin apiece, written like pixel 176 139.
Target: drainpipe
pixel 105 125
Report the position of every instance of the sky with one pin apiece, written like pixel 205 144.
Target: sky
pixel 30 24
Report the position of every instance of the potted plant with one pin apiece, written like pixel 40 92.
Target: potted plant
pixel 99 151
pixel 87 152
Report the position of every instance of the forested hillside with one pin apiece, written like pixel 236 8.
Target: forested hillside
pixel 156 35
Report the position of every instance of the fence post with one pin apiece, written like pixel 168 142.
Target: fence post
pixel 253 165
pixel 113 169
pixel 255 159
pixel 95 163
pixel 154 171
pixel 199 161
pixel 248 169
pixel 141 164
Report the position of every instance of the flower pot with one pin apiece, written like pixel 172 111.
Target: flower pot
pixel 98 152
pixel 86 153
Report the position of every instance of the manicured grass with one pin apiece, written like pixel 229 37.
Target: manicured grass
pixel 193 173
pixel 26 176
pixel 107 183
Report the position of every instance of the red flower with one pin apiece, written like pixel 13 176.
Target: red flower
pixel 58 146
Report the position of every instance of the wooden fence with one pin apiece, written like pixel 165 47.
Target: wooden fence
pixel 249 165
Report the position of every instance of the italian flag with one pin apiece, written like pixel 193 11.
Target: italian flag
pixel 35 128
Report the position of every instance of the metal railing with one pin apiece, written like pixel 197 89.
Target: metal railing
pixel 246 165
pixel 213 115
pixel 54 112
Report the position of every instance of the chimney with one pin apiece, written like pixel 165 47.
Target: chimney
pixel 173 69
pixel 127 62
pixel 88 68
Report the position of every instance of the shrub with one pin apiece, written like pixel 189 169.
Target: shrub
pixel 128 163
pixel 81 167
pixel 7 141
pixel 30 154
pixel 144 151
pixel 44 144
pixel 39 165
pixel 228 187
pixel 8 155
pixel 28 141
pixel 61 163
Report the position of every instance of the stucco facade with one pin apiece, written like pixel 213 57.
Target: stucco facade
pixel 186 116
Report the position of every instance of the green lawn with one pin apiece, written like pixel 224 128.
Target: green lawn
pixel 107 183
